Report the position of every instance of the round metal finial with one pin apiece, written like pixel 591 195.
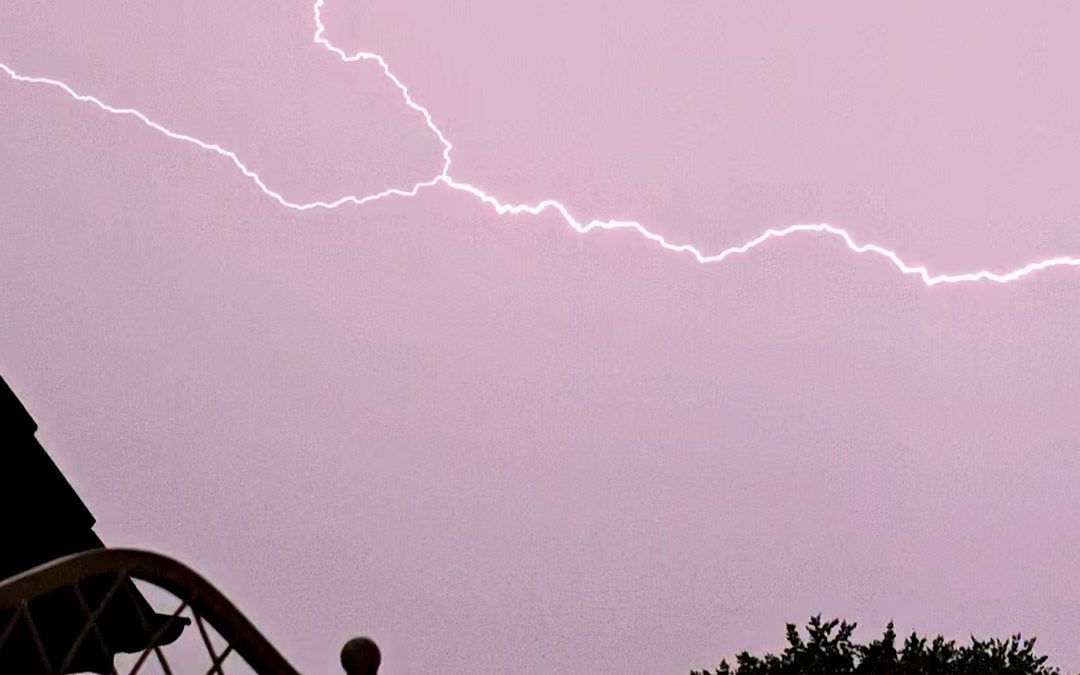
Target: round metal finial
pixel 361 656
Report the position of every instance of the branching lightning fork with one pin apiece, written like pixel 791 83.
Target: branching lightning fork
pixel 502 208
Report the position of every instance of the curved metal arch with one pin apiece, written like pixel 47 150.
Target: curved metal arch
pixel 189 587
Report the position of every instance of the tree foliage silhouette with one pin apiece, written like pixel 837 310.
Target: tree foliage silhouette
pixel 828 649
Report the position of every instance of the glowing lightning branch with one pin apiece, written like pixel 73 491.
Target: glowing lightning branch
pixel 502 208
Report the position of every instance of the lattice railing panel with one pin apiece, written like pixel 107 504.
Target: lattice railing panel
pixel 65 617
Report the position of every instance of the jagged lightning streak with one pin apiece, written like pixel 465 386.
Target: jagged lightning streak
pixel 502 208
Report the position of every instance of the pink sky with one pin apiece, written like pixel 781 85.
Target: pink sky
pixel 499 446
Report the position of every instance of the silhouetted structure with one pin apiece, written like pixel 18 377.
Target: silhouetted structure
pixel 360 656
pixel 41 519
pixel 227 636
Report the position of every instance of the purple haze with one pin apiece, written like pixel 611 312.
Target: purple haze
pixel 497 446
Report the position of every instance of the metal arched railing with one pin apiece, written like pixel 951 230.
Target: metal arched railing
pixel 214 617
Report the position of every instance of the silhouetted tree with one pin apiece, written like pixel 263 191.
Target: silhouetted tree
pixel 828 649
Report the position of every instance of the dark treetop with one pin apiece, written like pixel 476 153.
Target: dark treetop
pixel 828 649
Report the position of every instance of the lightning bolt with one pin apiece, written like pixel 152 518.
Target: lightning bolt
pixel 502 208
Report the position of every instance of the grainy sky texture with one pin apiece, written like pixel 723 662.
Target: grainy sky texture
pixel 500 446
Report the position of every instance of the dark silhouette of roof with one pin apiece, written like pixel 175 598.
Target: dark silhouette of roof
pixel 42 518
pixel 33 492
